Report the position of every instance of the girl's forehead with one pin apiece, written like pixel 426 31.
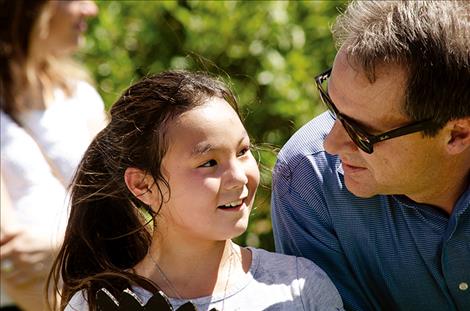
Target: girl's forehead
pixel 212 110
pixel 214 123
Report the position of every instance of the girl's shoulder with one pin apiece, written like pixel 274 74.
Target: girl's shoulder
pixel 275 262
pixel 300 276
pixel 78 302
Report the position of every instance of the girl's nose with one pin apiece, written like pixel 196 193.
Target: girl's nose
pixel 235 176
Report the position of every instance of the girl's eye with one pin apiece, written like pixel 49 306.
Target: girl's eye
pixel 243 151
pixel 209 163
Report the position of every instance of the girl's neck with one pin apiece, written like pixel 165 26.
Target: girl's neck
pixel 191 270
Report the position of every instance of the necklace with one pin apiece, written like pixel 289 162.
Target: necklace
pixel 232 251
pixel 175 291
pixel 163 275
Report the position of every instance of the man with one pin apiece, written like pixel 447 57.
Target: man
pixel 376 191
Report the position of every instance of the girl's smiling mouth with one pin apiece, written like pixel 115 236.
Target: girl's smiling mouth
pixel 234 205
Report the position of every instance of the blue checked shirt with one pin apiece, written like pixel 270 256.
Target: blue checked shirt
pixel 382 253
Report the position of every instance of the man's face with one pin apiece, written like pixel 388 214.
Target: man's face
pixel 404 165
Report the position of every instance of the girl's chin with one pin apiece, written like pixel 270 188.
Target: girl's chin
pixel 237 232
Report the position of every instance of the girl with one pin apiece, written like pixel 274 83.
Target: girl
pixel 48 117
pixel 176 154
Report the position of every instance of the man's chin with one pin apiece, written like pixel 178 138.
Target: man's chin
pixel 361 190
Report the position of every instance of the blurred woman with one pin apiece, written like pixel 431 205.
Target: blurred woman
pixel 49 115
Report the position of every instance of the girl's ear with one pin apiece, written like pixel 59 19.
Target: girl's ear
pixel 139 183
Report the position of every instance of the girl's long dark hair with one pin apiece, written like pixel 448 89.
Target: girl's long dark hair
pixel 107 232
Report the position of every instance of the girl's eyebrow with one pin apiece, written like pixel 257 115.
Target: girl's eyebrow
pixel 204 148
pixel 201 149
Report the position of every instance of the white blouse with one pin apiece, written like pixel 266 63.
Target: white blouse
pixel 39 158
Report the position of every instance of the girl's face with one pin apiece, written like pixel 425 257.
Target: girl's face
pixel 66 25
pixel 212 174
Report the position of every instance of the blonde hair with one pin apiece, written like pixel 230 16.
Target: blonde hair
pixel 25 70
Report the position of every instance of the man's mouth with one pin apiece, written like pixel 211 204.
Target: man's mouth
pixel 351 168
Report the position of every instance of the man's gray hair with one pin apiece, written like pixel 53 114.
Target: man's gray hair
pixel 430 39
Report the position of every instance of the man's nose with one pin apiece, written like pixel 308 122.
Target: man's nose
pixel 338 140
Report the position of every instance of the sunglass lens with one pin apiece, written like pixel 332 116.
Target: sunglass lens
pixel 357 138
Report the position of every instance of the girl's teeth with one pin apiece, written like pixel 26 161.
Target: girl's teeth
pixel 235 203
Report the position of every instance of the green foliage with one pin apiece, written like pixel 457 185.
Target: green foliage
pixel 267 51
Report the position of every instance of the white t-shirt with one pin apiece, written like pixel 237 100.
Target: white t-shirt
pixel 275 282
pixel 39 158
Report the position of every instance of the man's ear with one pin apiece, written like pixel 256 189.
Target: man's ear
pixel 459 135
pixel 139 183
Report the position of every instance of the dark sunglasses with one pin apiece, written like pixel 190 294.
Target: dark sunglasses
pixel 359 136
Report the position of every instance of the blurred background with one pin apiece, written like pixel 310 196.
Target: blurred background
pixel 267 51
